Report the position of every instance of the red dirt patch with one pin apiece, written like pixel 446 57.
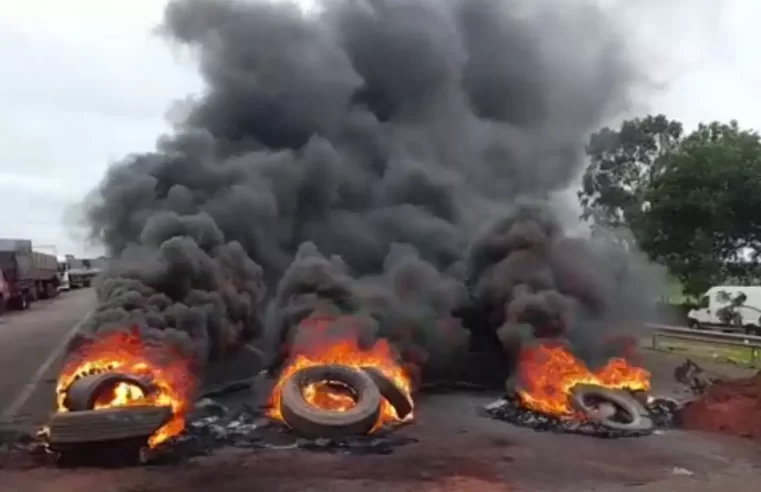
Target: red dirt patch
pixel 729 407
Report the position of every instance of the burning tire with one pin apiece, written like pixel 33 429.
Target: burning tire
pixel 311 421
pixel 111 424
pixel 390 391
pixel 83 393
pixel 627 413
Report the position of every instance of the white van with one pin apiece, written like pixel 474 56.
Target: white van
pixel 706 315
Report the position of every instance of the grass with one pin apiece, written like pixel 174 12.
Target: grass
pixel 739 356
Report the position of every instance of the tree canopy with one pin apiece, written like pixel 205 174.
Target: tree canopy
pixel 693 203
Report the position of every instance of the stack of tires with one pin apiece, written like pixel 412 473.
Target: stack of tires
pixel 370 386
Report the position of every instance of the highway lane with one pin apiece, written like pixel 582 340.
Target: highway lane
pixel 31 345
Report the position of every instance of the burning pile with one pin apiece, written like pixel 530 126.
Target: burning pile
pixel 115 379
pixel 558 392
pixel 337 388
pixel 385 135
pixel 549 374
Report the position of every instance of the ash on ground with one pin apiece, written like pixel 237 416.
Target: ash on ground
pixel 215 426
pixel 509 409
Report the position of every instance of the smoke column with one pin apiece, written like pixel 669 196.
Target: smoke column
pixel 394 161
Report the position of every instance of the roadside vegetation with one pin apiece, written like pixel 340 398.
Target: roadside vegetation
pixel 690 201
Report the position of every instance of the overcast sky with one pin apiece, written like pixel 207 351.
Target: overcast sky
pixel 86 82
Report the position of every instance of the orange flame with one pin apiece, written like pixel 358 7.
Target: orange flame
pixel 344 351
pixel 548 374
pixel 126 353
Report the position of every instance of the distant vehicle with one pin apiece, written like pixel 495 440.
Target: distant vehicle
pixel 5 292
pixel 30 275
pixel 80 271
pixel 717 310
pixel 64 285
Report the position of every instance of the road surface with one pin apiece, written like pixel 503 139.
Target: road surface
pixel 458 449
pixel 30 350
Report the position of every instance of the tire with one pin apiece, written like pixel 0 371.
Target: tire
pixel 107 425
pixel 390 391
pixel 693 324
pixel 313 422
pixel 83 392
pixel 641 420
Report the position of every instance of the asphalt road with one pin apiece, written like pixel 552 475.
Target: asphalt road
pixel 30 353
pixel 457 449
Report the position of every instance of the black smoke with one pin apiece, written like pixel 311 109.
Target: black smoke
pixel 390 160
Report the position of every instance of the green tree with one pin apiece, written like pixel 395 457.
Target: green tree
pixel 622 164
pixel 701 212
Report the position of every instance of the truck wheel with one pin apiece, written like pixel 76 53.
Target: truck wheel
pixel 693 323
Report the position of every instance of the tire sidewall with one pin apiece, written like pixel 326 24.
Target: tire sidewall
pixel 390 391
pixel 313 422
pixel 640 419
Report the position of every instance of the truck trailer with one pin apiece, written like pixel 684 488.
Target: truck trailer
pixel 29 274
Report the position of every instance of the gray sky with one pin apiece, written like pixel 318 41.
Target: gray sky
pixel 87 82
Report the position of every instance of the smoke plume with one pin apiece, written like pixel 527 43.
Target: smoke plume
pixel 389 161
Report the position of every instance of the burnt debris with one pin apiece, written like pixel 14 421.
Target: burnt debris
pixel 510 409
pixel 212 426
pixel 216 426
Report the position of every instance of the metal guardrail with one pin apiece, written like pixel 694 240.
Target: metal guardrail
pixel 750 342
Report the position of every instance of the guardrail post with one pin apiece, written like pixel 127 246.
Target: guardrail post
pixel 655 341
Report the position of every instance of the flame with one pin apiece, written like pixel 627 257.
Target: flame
pixel 329 395
pixel 548 374
pixel 333 396
pixel 122 395
pixel 127 354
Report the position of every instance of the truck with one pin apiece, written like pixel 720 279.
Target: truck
pixel 79 271
pixel 728 308
pixel 29 275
